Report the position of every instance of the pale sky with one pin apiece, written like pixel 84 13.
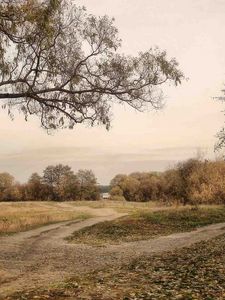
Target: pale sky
pixel 193 32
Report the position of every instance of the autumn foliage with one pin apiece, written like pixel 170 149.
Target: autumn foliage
pixel 58 183
pixel 193 181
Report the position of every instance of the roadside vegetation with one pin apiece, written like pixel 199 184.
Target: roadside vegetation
pixel 144 224
pixel 22 216
pixel 196 272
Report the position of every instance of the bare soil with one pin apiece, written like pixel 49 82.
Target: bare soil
pixel 42 256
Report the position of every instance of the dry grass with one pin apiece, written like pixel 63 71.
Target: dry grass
pixel 119 206
pixel 21 216
pixel 132 206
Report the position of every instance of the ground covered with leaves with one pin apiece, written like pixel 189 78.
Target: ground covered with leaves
pixel 196 272
pixel 145 224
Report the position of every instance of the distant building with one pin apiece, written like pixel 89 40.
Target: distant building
pixel 105 195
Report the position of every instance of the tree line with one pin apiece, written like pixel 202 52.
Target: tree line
pixel 58 183
pixel 193 181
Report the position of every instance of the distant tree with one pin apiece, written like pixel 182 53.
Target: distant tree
pixel 207 183
pixel 8 191
pixel 172 186
pixel 217 176
pixel 62 64
pixel 20 193
pixel 117 180
pixel 35 188
pixel 185 170
pixel 53 176
pixel 68 188
pixel 116 186
pixel 88 188
pixel 150 187
pixel 131 189
pixel 116 191
pixel 138 186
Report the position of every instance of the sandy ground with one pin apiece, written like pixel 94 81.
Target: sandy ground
pixel 42 256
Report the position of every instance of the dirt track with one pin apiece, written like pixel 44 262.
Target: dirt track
pixel 41 256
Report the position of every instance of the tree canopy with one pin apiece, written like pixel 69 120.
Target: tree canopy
pixel 58 183
pixel 194 181
pixel 63 65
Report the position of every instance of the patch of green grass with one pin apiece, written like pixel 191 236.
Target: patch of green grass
pixel 187 218
pixel 195 273
pixel 144 224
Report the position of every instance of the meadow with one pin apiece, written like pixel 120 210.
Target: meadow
pixel 25 215
pixel 21 216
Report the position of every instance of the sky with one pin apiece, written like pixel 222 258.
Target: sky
pixel 193 32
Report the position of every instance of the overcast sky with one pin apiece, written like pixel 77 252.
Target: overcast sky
pixel 192 31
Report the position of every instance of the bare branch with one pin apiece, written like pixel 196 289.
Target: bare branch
pixel 62 65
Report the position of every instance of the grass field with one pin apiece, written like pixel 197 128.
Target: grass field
pixel 21 216
pixel 145 224
pixel 119 206
pixel 193 273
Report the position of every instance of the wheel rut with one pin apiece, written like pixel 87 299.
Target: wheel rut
pixel 42 256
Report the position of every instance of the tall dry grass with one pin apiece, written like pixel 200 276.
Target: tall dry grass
pixel 119 206
pixel 21 216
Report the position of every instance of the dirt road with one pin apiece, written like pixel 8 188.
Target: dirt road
pixel 42 256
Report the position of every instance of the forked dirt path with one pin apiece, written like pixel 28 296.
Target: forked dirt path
pixel 41 256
